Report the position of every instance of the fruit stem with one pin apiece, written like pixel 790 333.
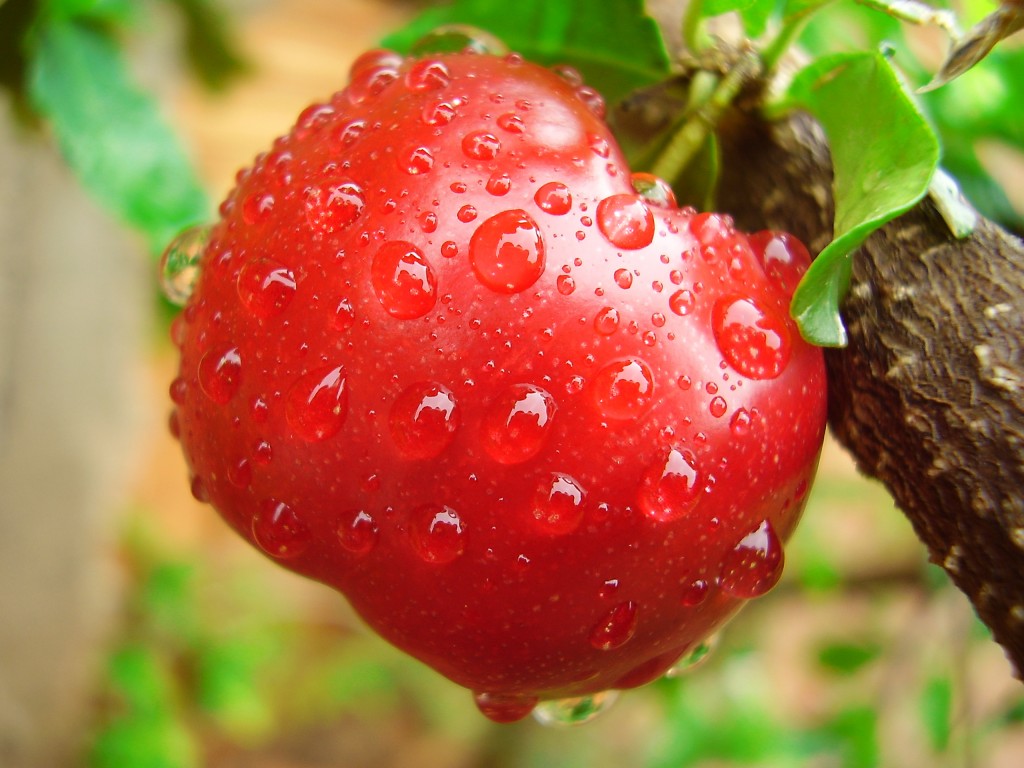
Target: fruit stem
pixel 691 135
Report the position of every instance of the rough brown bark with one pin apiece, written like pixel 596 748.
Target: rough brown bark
pixel 929 394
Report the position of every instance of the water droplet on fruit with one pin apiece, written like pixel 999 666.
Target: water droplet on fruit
pixel 626 221
pixel 357 532
pixel 240 474
pixel 279 531
pixel 458 38
pixel 317 404
pixel 507 252
pixel 498 184
pixel 624 389
pixel 180 264
pixel 784 258
pixel 350 132
pixel 694 657
pixel 573 711
pixel 257 206
pixel 598 145
pixel 481 145
pixel 220 373
pixel 754 565
pixel 753 340
pixel 466 214
pixel 424 419
pixel 333 206
pixel 593 99
pixel 623 278
pixel 504 707
pixel 565 284
pixel 263 453
pixel 554 198
pixel 682 302
pixel 671 486
pixel 449 249
pixel 658 320
pixel 517 423
pixel 654 190
pixel 558 504
pixel 403 281
pixel 439 113
pixel 695 593
pixel 178 390
pixel 511 122
pixel 740 423
pixel 428 75
pixel 265 287
pixel 606 321
pixel 373 59
pixel 416 160
pixel 344 316
pixel 718 406
pixel 438 533
pixel 615 628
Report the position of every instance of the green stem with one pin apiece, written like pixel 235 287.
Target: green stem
pixel 782 42
pixel 691 135
pixel 694 36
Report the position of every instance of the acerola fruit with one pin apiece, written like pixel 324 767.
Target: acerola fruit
pixel 445 353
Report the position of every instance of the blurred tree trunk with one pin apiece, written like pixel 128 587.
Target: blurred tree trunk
pixel 73 310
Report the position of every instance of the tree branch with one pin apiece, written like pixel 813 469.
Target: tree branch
pixel 928 394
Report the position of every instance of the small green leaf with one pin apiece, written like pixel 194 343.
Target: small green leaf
pixel 111 133
pixel 615 45
pixel 847 658
pixel 884 154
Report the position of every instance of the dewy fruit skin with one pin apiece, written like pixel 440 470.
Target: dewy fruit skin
pixel 445 353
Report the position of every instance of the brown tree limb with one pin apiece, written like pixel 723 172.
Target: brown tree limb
pixel 929 394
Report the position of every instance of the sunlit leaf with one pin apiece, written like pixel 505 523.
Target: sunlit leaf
pixel 616 46
pixel 111 132
pixel 884 153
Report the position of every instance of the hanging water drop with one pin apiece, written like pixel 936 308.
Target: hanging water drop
pixel 573 711
pixel 181 263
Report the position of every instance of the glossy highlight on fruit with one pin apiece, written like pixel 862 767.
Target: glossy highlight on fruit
pixel 446 353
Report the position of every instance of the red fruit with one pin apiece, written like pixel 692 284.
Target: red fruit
pixel 545 430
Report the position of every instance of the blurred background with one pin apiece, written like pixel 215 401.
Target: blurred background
pixel 136 631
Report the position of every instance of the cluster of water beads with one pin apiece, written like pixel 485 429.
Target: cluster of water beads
pixel 180 264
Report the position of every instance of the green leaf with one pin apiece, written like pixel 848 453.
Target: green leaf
pixel 212 50
pixel 884 153
pixel 115 11
pixel 615 45
pixel 847 658
pixel 111 133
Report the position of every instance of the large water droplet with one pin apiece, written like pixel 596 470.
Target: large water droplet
pixel 458 38
pixel 438 533
pixel 257 206
pixel 554 198
pixel 694 657
pixel 507 252
pixel 416 160
pixel 481 145
pixel 265 287
pixel 403 280
pixel 753 340
pixel 333 206
pixel 573 711
pixel 357 532
pixel 439 112
pixel 317 404
pixel 606 321
pixel 220 374
pixel 517 423
pixel 616 628
pixel 180 264
pixel 682 302
pixel 718 406
pixel 504 707
pixel 626 221
pixel 424 420
pixel 754 565
pixel 558 504
pixel 624 389
pixel 428 75
pixel 784 257
pixel 498 184
pixel 654 190
pixel 279 531
pixel 671 486
pixel 623 278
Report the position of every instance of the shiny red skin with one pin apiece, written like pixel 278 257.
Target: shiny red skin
pixel 508 607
